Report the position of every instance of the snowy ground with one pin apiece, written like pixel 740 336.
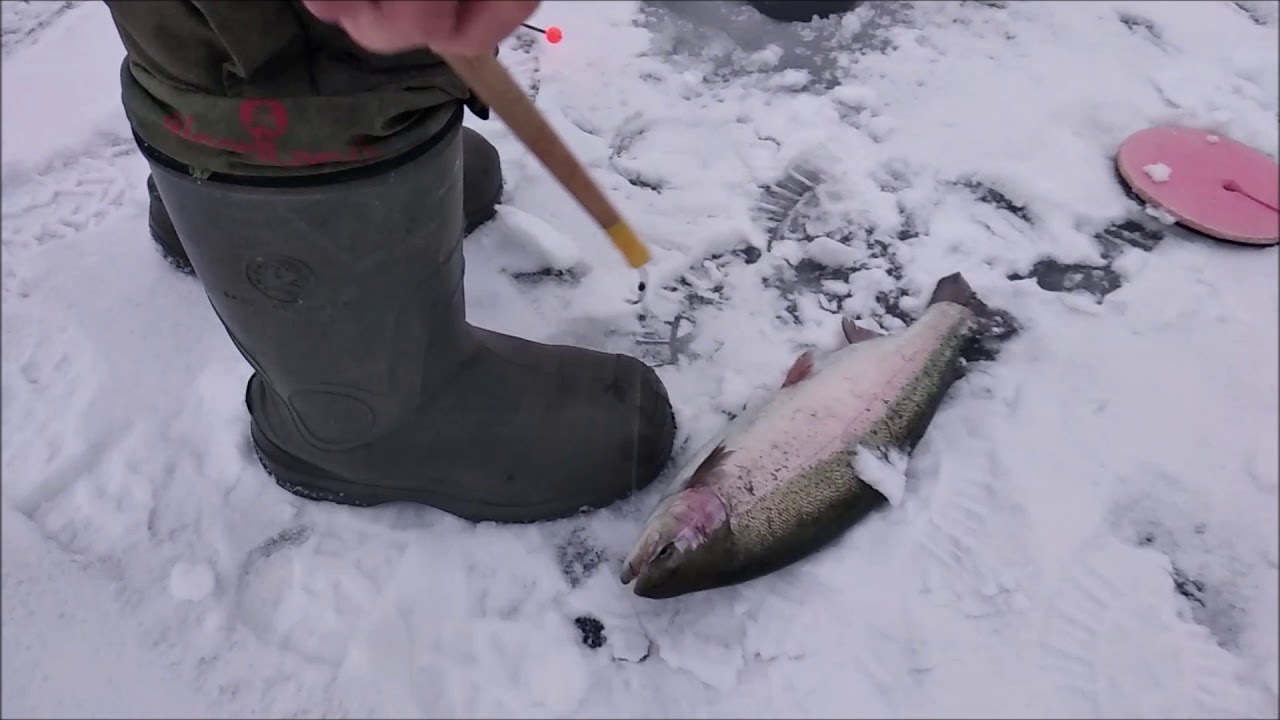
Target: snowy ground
pixel 1090 527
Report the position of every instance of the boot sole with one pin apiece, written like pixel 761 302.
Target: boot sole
pixel 312 483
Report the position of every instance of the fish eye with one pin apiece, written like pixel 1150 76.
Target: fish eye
pixel 667 551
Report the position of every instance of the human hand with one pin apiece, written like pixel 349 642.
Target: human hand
pixel 458 27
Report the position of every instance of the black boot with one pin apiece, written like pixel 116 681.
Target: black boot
pixel 482 191
pixel 346 296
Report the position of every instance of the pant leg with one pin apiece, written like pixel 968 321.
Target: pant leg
pixel 264 88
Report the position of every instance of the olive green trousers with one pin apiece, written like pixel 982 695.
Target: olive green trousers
pixel 261 87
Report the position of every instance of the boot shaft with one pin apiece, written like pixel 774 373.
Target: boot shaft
pixel 335 288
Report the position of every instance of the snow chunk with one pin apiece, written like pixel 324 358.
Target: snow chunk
pixel 788 250
pixel 880 127
pixel 854 96
pixel 831 253
pixel 191 581
pixel 1161 214
pixel 1158 172
pixel 765 58
pixel 884 470
pixel 709 649
pixel 538 245
pixel 790 79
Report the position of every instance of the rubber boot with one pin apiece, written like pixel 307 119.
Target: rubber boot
pixel 345 294
pixel 482 191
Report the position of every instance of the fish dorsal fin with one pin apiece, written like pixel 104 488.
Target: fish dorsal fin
pixel 855 333
pixel 800 369
pixel 712 462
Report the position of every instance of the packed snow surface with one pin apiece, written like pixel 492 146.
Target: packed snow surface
pixel 1088 529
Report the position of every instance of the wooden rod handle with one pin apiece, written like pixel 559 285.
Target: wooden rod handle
pixel 495 86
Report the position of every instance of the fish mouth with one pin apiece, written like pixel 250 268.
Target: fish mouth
pixel 628 573
pixel 655 591
pixel 644 587
pixel 632 568
pixel 645 590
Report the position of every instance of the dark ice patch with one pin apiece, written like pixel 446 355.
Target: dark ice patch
pixel 566 277
pixel 620 147
pixel 994 327
pixel 667 347
pixel 1252 12
pixel 788 209
pixel 989 195
pixel 749 254
pixel 784 206
pixel 720 38
pixel 1197 572
pixel 289 537
pixel 1131 233
pixel 526 41
pixel 578 557
pixel 790 204
pixel 1142 27
pixel 1096 280
pixel 1188 587
pixel 592 631
pixel 26 22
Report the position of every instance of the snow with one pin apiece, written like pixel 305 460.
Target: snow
pixel 1161 214
pixel 528 244
pixel 885 471
pixel 191 581
pixel 1089 528
pixel 1158 172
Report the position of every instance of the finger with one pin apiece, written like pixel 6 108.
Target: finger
pixel 482 24
pixel 470 27
pixel 388 27
pixel 391 27
pixel 420 23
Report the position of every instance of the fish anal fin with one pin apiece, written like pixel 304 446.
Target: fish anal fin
pixel 800 369
pixel 855 333
pixel 703 473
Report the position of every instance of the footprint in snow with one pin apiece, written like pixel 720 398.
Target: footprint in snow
pixel 1114 642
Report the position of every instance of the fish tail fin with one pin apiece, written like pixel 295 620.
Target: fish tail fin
pixel 955 289
pixel 991 326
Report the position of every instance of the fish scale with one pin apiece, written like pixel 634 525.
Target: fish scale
pixel 780 483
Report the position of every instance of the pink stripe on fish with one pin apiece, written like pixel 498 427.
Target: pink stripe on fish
pixel 699 512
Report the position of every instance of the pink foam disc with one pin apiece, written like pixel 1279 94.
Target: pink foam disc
pixel 1207 182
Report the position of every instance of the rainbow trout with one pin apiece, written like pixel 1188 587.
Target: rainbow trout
pixel 828 448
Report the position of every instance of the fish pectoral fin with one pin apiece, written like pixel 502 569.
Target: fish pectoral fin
pixel 800 369
pixel 712 462
pixel 855 333
pixel 883 468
